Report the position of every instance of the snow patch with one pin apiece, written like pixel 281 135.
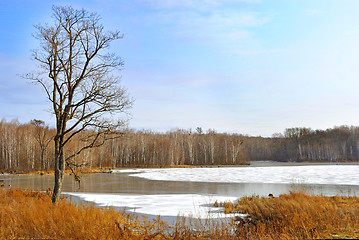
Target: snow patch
pixel 321 174
pixel 200 206
pixel 188 205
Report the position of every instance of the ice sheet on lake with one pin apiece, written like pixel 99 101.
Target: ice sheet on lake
pixel 189 205
pixel 318 174
pixel 197 205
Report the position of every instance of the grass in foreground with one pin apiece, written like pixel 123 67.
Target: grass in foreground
pixel 31 215
pixel 297 216
pixel 28 214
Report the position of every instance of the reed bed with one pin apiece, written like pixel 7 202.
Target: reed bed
pixel 27 214
pixel 296 216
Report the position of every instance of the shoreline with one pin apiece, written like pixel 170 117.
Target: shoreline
pixel 295 216
pixel 151 197
pixel 256 163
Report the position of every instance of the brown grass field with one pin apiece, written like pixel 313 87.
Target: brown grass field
pixel 29 214
pixel 297 216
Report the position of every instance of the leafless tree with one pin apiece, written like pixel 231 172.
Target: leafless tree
pixel 79 76
pixel 43 137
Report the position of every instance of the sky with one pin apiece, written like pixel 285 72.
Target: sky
pixel 253 67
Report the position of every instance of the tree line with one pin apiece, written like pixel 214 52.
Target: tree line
pixel 29 147
pixel 336 144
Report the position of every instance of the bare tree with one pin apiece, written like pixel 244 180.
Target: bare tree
pixel 79 78
pixel 42 137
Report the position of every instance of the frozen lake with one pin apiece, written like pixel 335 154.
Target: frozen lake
pixel 191 191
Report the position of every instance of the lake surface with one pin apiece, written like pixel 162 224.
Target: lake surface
pixel 191 191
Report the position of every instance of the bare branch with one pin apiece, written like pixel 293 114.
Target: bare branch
pixel 75 71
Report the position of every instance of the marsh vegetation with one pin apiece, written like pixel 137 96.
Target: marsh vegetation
pixel 289 216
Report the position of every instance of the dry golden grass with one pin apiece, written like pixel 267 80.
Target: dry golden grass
pixel 27 214
pixel 31 215
pixel 297 216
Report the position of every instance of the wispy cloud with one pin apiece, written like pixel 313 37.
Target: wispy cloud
pixel 226 18
pixel 214 25
pixel 257 52
pixel 206 19
pixel 313 12
pixel 195 4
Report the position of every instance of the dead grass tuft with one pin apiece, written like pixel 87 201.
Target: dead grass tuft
pixel 297 216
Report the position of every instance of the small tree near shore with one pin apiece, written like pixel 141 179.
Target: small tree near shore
pixel 79 77
pixel 43 137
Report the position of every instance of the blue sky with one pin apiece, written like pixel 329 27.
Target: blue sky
pixel 247 66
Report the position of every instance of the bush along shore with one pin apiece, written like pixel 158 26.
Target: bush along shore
pixel 30 214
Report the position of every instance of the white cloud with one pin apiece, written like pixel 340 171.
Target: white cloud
pixel 195 4
pixel 217 25
pixel 313 12
pixel 231 19
pixel 257 52
pixel 189 14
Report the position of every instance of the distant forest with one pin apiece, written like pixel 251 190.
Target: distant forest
pixel 29 147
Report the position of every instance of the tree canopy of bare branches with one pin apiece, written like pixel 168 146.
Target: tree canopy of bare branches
pixel 80 79
pixel 43 138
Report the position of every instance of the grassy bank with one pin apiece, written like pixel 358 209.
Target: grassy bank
pixel 27 214
pixel 31 215
pixel 297 216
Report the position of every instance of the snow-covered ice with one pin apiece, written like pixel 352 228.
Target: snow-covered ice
pixel 192 205
pixel 197 205
pixel 317 174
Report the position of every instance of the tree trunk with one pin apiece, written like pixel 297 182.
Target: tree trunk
pixel 59 169
pixel 42 159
